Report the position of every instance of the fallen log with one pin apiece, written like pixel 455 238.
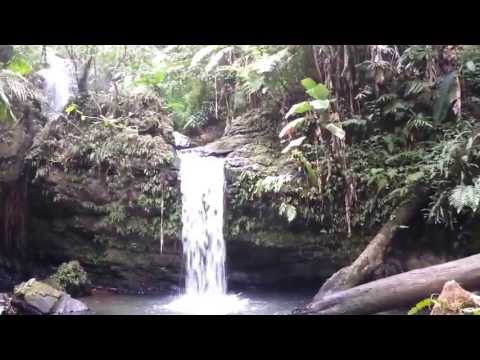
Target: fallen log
pixel 404 289
pixel 373 255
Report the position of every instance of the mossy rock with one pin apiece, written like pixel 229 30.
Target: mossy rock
pixel 38 298
pixel 71 278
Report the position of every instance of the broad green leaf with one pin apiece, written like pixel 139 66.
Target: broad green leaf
pixel 335 130
pixel 320 105
pixel 293 144
pixel 292 125
pixel 299 108
pixel 308 83
pixel 319 92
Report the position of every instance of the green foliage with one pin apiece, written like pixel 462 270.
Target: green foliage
pixel 19 65
pixel 355 160
pixel 422 305
pixel 319 92
pixel 299 108
pixel 315 110
pixel 71 277
pixel 272 184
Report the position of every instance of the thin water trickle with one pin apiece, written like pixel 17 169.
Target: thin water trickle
pixel 202 186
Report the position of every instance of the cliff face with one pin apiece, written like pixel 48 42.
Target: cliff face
pixel 264 247
pixel 110 198
pixel 16 138
pixel 107 195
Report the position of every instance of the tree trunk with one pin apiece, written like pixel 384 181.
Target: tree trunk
pixel 404 289
pixel 83 80
pixel 373 255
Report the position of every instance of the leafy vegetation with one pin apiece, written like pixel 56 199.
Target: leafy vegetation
pixel 363 124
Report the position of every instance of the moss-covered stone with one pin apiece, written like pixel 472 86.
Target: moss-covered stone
pixel 72 278
pixel 36 297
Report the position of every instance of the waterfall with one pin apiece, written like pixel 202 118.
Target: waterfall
pixel 202 186
pixel 58 82
pixel 202 183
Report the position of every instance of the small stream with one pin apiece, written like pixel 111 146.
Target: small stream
pixel 257 302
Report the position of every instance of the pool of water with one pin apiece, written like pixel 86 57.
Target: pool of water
pixel 253 303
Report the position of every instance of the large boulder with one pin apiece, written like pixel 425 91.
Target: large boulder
pixel 38 298
pixel 455 300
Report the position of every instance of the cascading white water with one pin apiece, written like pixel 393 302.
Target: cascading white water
pixel 202 182
pixel 58 82
pixel 202 186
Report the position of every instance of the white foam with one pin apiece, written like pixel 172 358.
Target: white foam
pixel 208 304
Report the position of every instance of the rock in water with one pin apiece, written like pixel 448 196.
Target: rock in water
pixel 181 141
pixel 454 299
pixel 36 297
pixel 66 304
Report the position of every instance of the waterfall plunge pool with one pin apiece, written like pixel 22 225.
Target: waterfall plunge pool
pixel 250 302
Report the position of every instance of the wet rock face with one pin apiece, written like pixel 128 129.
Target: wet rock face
pixel 38 298
pixel 16 138
pixel 276 267
pixel 263 248
pixel 109 214
pixel 84 212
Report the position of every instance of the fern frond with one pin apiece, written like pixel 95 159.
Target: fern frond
pixel 419 122
pixel 15 85
pixel 466 196
pixel 415 87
